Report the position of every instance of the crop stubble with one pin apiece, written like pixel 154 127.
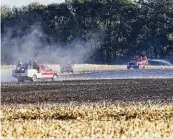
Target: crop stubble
pixel 95 112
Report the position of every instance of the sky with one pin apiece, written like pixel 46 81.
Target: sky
pixel 19 3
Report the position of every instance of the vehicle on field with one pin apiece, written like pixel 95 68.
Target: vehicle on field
pixel 137 63
pixel 34 73
pixel 66 66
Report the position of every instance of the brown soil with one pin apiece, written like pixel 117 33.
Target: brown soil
pixel 87 91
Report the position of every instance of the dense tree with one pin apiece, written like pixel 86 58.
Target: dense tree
pixel 124 28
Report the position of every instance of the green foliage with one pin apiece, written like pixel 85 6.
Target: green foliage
pixel 170 36
pixel 127 27
pixel 5 11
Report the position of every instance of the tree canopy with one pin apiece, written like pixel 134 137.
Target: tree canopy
pixel 124 28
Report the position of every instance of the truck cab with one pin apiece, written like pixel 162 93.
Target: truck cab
pixel 137 63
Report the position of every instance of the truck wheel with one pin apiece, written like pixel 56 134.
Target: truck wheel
pixel 34 78
pixel 136 67
pixel 139 67
pixel 54 77
pixel 20 79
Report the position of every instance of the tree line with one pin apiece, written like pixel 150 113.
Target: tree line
pixel 125 28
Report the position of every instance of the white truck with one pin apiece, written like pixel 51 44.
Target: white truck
pixel 28 73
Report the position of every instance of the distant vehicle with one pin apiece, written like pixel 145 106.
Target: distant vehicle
pixel 25 73
pixel 159 62
pixel 137 63
pixel 66 68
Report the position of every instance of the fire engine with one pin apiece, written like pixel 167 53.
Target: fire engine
pixel 137 63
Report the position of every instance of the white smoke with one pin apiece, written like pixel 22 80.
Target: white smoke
pixel 33 45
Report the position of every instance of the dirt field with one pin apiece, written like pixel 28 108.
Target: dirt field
pixel 121 108
pixel 88 91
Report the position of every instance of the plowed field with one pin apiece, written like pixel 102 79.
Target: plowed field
pixel 87 91
pixel 114 108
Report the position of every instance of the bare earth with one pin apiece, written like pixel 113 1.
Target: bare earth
pixel 114 104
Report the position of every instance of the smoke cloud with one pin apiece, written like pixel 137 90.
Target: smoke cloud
pixel 33 45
